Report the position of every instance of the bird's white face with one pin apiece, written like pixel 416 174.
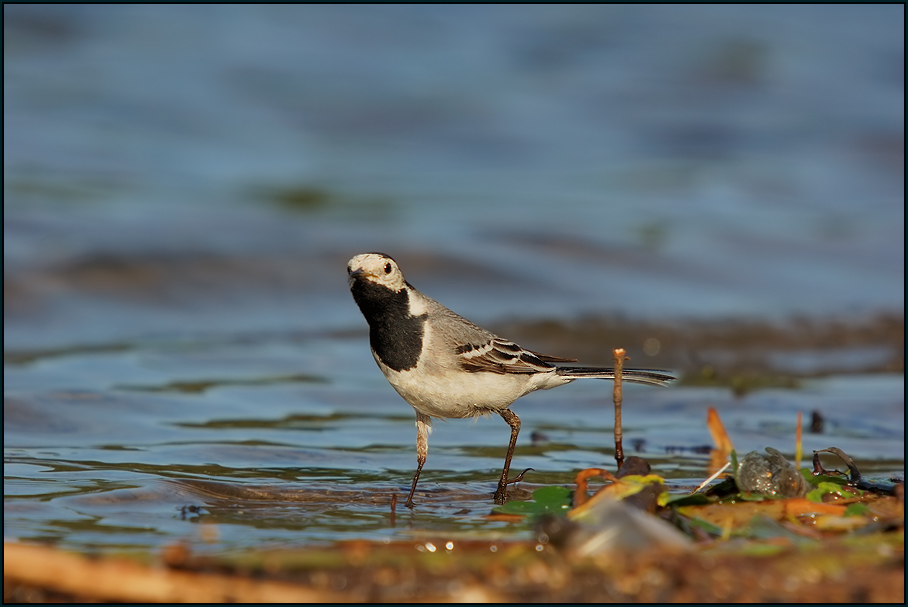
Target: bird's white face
pixel 377 268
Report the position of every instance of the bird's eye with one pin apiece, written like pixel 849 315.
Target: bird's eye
pixel 387 268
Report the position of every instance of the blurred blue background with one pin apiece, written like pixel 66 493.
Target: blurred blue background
pixel 173 168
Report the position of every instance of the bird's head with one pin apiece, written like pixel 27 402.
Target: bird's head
pixel 377 268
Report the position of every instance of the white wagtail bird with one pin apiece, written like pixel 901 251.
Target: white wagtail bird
pixel 447 367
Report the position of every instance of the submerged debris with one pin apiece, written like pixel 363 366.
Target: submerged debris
pixel 855 478
pixel 769 475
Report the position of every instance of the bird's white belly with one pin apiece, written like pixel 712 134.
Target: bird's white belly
pixel 459 394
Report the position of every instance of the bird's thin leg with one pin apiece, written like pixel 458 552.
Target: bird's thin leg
pixel 501 495
pixel 423 427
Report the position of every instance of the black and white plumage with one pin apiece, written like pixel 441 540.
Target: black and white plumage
pixel 445 366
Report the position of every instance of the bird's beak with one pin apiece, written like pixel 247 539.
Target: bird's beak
pixel 353 275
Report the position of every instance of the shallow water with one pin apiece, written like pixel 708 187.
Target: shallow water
pixel 184 185
pixel 119 449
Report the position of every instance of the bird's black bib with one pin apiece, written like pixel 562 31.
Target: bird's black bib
pixel 394 334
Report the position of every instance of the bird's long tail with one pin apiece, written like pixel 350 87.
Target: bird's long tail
pixel 652 377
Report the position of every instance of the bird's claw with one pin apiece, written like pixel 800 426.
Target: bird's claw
pixel 501 495
pixel 519 477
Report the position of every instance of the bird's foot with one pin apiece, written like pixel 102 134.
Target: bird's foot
pixel 501 494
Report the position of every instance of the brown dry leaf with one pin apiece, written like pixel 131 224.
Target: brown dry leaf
pixel 619 489
pixel 799 506
pixel 717 430
pixel 718 457
pixel 841 524
pixel 580 496
pixel 734 515
pixel 505 518
pixel 886 508
pixel 739 514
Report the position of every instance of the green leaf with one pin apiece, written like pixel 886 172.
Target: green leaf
pixel 857 510
pixel 823 478
pixel 710 528
pixel 826 487
pixel 546 500
pixel 553 496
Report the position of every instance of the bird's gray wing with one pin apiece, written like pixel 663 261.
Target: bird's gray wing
pixel 501 356
pixel 476 349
